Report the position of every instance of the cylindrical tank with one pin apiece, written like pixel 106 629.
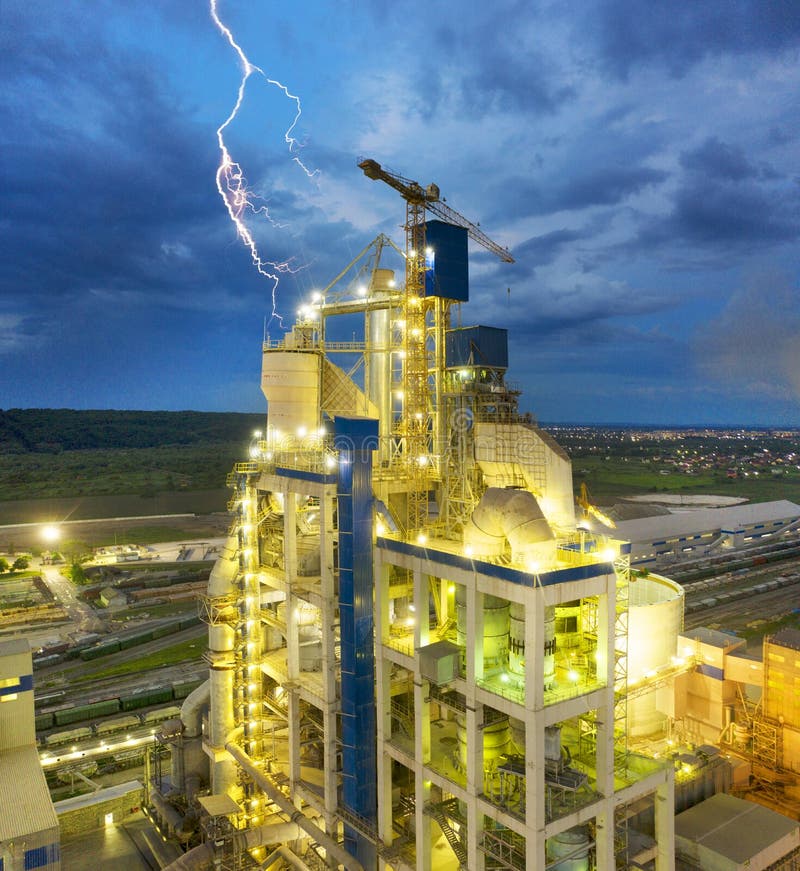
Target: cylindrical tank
pixel 290 380
pixel 495 627
pixel 378 361
pixel 495 742
pixel 516 643
pixel 655 618
pixel 568 625
pixel 517 734
pixel 573 846
pixel 309 633
pixel 741 735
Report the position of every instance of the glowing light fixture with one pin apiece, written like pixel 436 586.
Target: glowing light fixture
pixel 51 533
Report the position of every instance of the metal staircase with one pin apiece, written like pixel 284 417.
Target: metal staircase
pixel 443 813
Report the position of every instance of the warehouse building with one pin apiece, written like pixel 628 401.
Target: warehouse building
pixel 29 834
pixel 691 534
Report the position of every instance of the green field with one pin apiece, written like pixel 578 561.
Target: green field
pixel 135 471
pixel 184 651
pixel 611 478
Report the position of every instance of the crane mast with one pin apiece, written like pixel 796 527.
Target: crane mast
pixel 424 322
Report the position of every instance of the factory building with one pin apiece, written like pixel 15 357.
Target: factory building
pixel 417 659
pixel 29 834
pixel 725 833
pixel 692 534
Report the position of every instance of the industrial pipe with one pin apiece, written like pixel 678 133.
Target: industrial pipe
pixel 192 709
pixel 507 515
pixel 171 815
pixel 296 816
pixel 201 857
pixel 287 855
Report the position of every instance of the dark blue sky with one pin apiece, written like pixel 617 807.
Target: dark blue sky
pixel 640 159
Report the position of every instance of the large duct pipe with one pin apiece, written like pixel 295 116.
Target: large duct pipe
pixel 221 638
pixel 508 515
pixel 192 709
pixel 276 796
pixel 188 760
pixel 287 855
pixel 169 814
pixel 201 858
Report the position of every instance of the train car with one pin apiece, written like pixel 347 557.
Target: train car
pixel 44 721
pixel 135 640
pixel 188 622
pixel 44 661
pixel 65 716
pixel 181 689
pixel 166 629
pixel 108 647
pixel 118 724
pixel 160 714
pixel 146 698
pixel 71 736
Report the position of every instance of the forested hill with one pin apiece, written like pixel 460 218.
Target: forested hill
pixel 52 430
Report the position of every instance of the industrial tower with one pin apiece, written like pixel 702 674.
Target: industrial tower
pixel 417 658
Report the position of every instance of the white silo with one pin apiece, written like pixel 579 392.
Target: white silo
pixel 655 619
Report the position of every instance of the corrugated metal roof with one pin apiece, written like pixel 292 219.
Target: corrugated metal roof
pixel 787 638
pixel 13 646
pixel 25 799
pixel 110 793
pixel 734 828
pixel 712 637
pixel 705 520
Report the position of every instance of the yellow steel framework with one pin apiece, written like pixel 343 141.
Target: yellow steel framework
pixel 421 316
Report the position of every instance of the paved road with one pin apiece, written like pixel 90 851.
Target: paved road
pixel 84 617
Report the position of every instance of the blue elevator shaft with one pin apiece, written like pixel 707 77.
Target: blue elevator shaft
pixel 355 438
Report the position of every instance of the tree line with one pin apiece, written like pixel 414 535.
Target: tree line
pixel 52 430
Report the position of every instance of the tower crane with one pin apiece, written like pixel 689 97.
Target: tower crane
pixel 416 422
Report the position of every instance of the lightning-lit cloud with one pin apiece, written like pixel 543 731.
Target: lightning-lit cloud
pixel 230 178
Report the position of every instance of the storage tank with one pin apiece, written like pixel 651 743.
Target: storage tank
pixel 496 737
pixel 516 644
pixel 571 848
pixel 655 619
pixel 291 382
pixel 495 627
pixel 378 361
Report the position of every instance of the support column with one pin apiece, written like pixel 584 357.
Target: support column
pixel 328 652
pixel 474 717
pixel 534 730
pixel 604 838
pixel 383 683
pixel 422 786
pixel 665 824
pixel 604 760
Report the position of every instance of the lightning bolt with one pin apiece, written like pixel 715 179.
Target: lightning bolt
pixel 231 181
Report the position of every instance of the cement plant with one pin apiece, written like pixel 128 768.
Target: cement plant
pixel 421 652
